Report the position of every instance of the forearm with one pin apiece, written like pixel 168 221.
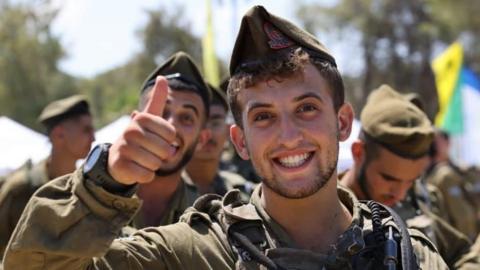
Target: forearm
pixel 67 222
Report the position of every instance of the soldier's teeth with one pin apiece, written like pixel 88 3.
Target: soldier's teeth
pixel 294 161
pixel 175 144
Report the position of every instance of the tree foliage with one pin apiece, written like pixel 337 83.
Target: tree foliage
pixel 398 39
pixel 29 62
pixel 116 91
pixel 29 56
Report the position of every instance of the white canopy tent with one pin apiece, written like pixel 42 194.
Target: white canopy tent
pixel 110 132
pixel 18 144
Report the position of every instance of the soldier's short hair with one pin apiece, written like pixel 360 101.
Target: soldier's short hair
pixel 284 65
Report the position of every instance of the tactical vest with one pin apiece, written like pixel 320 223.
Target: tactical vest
pixel 242 229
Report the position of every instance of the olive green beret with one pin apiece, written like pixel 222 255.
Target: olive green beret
pixel 180 66
pixel 263 34
pixel 59 110
pixel 218 96
pixel 391 120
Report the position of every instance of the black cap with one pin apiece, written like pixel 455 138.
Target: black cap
pixel 218 96
pixel 180 66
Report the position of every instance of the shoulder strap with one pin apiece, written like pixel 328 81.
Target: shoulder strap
pixel 409 261
pixel 246 237
pixel 249 240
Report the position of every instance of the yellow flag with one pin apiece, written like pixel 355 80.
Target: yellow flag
pixel 210 64
pixel 447 67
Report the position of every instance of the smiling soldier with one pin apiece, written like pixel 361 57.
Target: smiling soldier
pixel 287 99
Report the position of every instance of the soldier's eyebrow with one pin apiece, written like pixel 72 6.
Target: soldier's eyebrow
pixel 256 105
pixel 191 107
pixel 389 177
pixel 308 95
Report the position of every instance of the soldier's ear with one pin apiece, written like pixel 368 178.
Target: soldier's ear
pixel 345 119
pixel 57 132
pixel 358 151
pixel 238 139
pixel 203 137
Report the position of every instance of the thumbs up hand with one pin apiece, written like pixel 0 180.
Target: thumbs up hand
pixel 145 143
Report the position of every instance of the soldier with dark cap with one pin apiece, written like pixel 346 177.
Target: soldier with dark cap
pixel 69 127
pixel 286 96
pixel 390 155
pixel 203 171
pixel 167 196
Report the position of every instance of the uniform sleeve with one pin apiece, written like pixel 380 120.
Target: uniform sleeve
pixel 13 198
pixel 438 206
pixel 426 253
pixel 71 223
pixel 455 247
pixel 449 185
pixel 174 246
pixel 67 222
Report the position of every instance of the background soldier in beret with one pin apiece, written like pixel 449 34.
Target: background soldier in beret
pixel 203 171
pixel 69 127
pixel 383 171
pixel 286 96
pixel 450 179
pixel 186 111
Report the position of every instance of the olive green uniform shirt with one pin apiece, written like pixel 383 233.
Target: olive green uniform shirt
pixel 454 247
pixel 460 211
pixel 71 223
pixel 225 181
pixel 428 197
pixel 14 196
pixel 472 187
pixel 183 198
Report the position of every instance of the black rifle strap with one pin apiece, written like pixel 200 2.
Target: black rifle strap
pixel 409 261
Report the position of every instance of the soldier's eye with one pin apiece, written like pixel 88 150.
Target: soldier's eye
pixel 306 108
pixel 187 119
pixel 262 116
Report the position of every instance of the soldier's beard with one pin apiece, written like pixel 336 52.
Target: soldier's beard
pixel 363 182
pixel 185 159
pixel 323 176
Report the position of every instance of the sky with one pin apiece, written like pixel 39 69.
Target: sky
pixel 99 35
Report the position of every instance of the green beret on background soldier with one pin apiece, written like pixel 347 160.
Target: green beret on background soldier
pixel 390 155
pixel 203 172
pixel 287 100
pixel 68 124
